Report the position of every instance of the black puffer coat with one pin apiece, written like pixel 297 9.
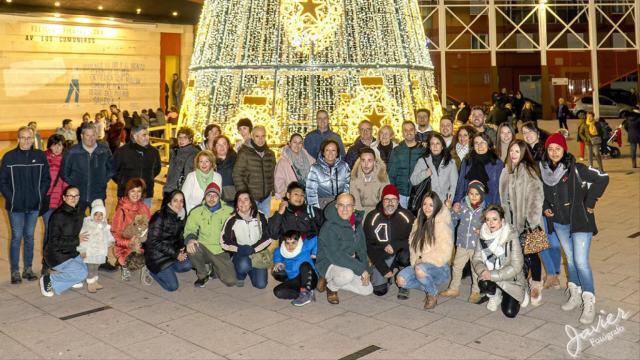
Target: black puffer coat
pixel 131 161
pixel 164 239
pixel 64 228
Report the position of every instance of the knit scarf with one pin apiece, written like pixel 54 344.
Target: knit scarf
pixel 494 254
pixel 436 160
pixel 462 150
pixel 385 150
pixel 299 163
pixel 259 149
pixel 204 179
pixel 552 177
pixel 290 254
pixel 477 170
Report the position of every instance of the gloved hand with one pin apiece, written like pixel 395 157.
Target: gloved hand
pixel 245 250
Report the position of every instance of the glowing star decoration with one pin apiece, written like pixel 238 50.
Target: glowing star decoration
pixel 278 66
pixel 309 7
pixel 309 24
pixel 375 118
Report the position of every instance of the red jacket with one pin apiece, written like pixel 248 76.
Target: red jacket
pixel 55 192
pixel 124 215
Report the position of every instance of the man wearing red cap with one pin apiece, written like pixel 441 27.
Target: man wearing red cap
pixel 202 238
pixel 387 230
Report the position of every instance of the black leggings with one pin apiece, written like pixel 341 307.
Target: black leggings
pixel 510 306
pixel 533 263
pixel 290 288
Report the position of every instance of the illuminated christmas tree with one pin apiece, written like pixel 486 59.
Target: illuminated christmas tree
pixel 279 61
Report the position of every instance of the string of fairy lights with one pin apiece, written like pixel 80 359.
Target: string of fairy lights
pixel 279 61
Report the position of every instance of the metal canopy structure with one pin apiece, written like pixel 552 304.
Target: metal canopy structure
pixel 545 14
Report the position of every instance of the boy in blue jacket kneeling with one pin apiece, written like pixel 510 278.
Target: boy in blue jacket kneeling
pixel 294 267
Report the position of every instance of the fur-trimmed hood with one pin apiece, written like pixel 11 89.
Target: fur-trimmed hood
pixel 379 168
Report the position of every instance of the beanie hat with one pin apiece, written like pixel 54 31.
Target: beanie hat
pixel 480 188
pixel 98 206
pixel 557 139
pixel 390 190
pixel 245 122
pixel 213 187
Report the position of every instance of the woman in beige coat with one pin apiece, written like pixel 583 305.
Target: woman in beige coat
pixel 522 197
pixel 430 248
pixel 498 262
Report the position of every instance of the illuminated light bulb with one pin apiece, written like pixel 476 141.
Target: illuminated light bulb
pixel 138 11
pixel 56 4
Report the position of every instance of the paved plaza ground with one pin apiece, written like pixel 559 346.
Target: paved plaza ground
pixel 131 320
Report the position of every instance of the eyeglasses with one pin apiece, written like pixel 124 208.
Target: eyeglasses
pixel 345 206
pixel 390 201
pixel 73 196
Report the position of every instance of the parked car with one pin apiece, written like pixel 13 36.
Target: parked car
pixel 620 96
pixel 608 107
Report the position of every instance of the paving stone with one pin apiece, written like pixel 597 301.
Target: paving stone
pixel 11 349
pixel 253 318
pixel 162 312
pixel 558 352
pixel 444 349
pixel 461 310
pixel 396 338
pixel 282 331
pixel 408 317
pixel 520 325
pixel 29 331
pixel 330 346
pixel 212 334
pixel 220 306
pixel 313 313
pixel 368 305
pixel 16 310
pixel 553 313
pixel 72 306
pixel 551 333
pixel 267 350
pixel 131 300
pixel 352 325
pixel 168 346
pixel 619 349
pixel 454 330
pixel 507 345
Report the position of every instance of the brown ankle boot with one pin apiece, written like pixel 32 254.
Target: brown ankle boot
pixel 322 284
pixel 91 287
pixel 332 297
pixel 430 302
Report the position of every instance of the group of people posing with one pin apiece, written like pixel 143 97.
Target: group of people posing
pixel 382 214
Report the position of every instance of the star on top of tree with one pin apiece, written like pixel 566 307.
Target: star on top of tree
pixel 310 7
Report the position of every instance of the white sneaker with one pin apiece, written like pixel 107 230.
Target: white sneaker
pixel 525 302
pixel 575 299
pixel 494 301
pixel 588 308
pixel 125 274
pixel 145 276
pixel 77 286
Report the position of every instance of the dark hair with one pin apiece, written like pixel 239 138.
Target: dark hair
pixel 531 126
pixel 425 229
pixel 223 137
pixel 185 131
pixel 408 122
pixel 322 111
pixel 65 192
pixel 290 234
pixel 423 110
pixel 326 142
pixel 172 194
pixel 493 207
pixel 86 115
pixel 445 153
pixel 491 151
pixel 55 139
pixel 254 207
pixel 113 106
pixel 207 130
pixel 366 150
pixel 134 183
pixel 87 126
pixel 66 121
pixel 471 131
pixel 294 185
pixel 526 159
pixel 294 135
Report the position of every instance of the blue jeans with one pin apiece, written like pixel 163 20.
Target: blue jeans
pixel 167 278
pixel 576 248
pixel 74 88
pixel 243 268
pixel 264 206
pixel 23 225
pixel 435 276
pixel 67 274
pixel 551 257
pixel 404 201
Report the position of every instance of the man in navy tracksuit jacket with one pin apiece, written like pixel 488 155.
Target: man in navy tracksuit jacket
pixel 24 182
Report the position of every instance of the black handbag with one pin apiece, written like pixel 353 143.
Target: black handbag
pixel 45 202
pixel 417 193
